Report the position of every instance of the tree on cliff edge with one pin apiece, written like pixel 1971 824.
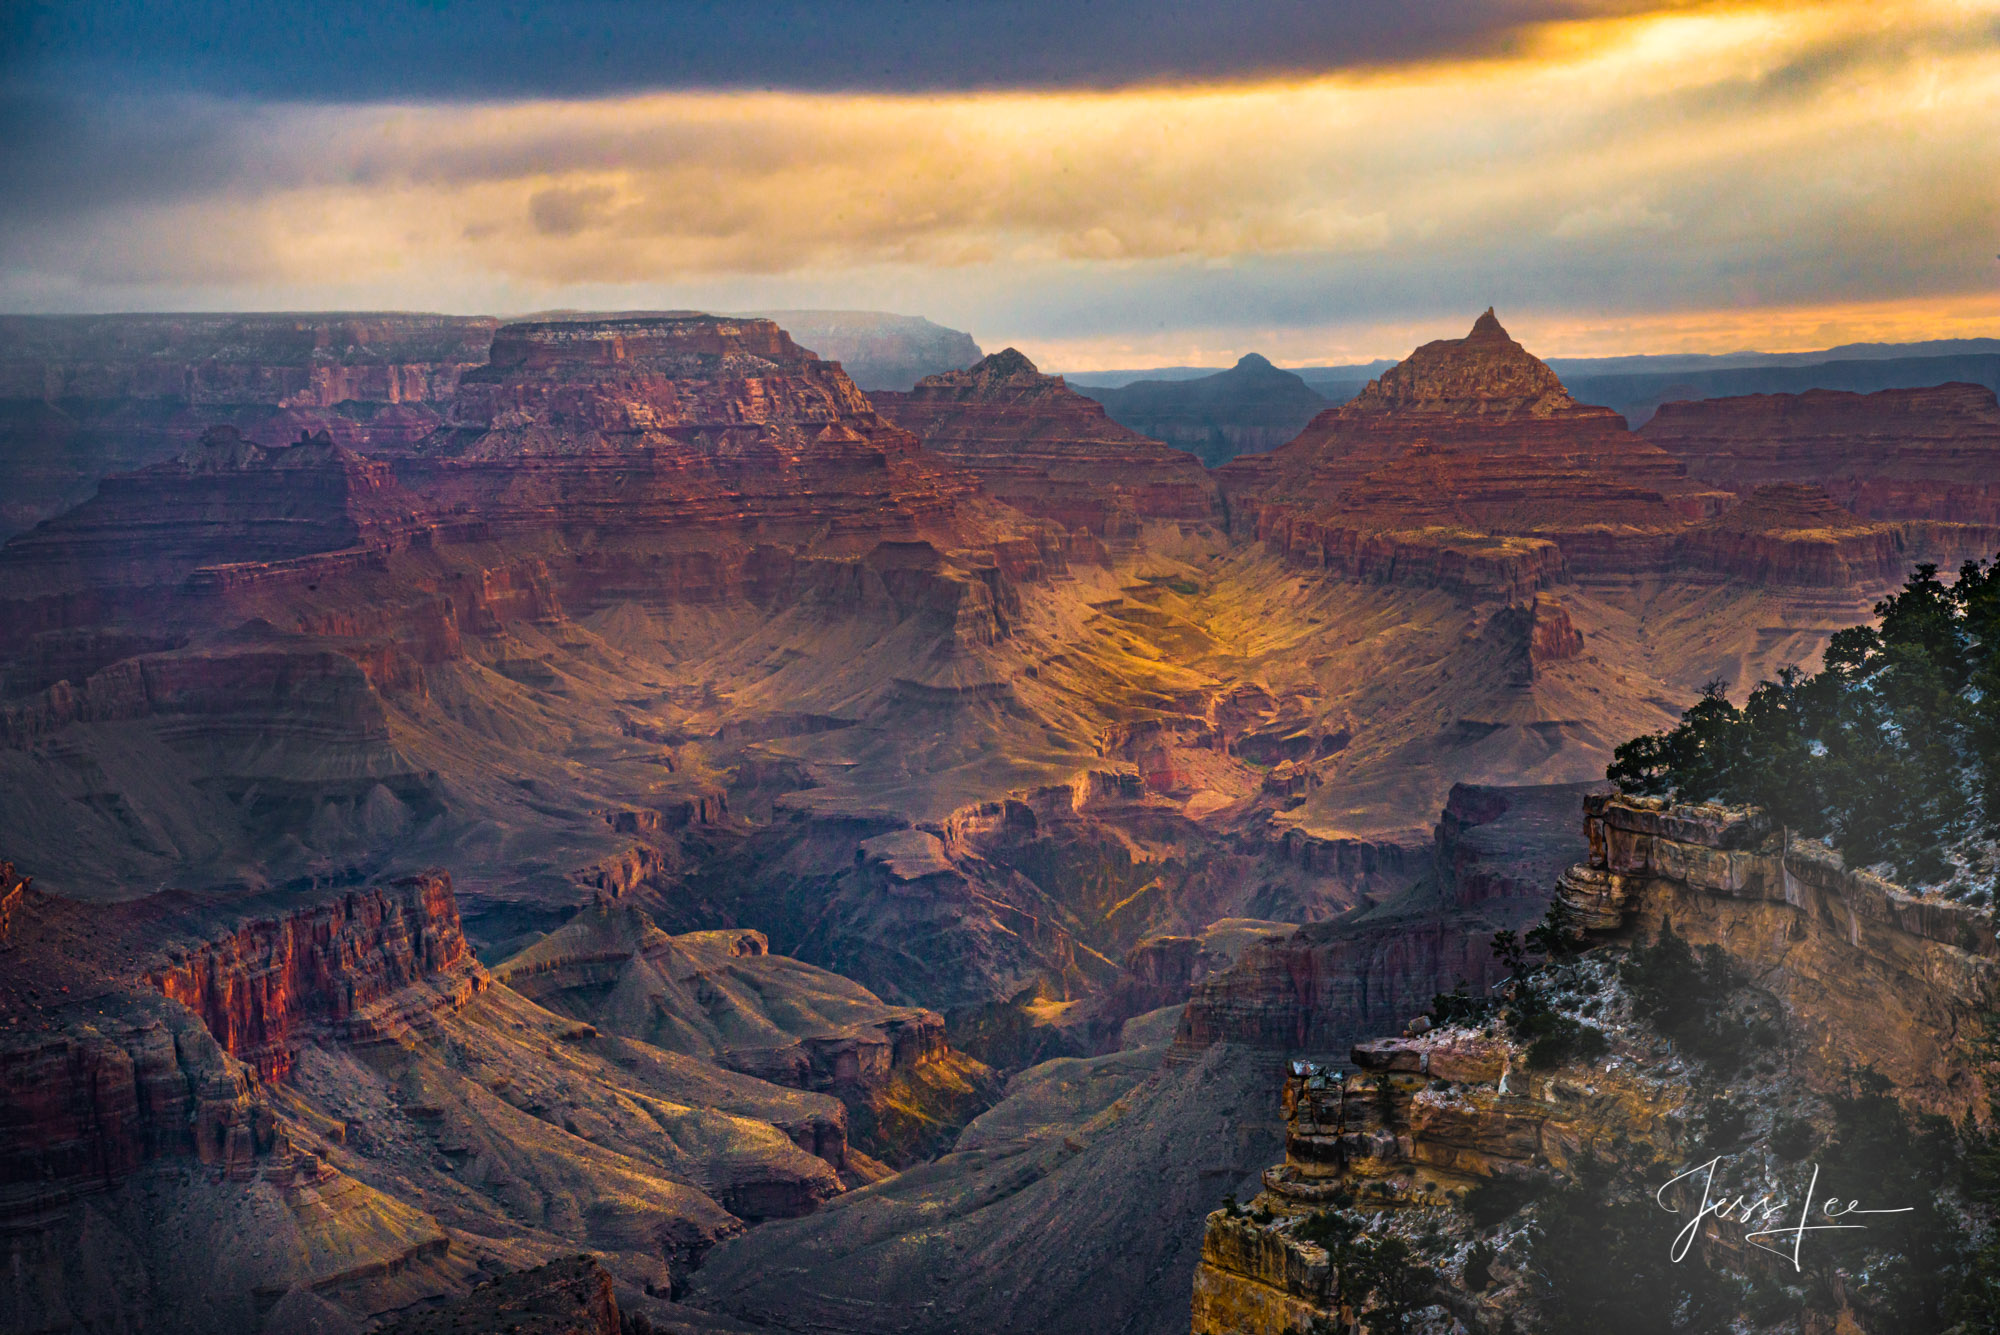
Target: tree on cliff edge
pixel 1891 751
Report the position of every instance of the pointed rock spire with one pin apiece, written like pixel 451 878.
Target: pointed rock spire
pixel 1486 373
pixel 1004 363
pixel 1487 327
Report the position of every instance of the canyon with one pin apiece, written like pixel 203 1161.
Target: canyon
pixel 855 860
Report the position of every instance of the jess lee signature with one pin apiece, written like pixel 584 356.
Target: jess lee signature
pixel 1764 1209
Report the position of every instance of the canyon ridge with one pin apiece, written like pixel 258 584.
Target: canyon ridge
pixel 886 853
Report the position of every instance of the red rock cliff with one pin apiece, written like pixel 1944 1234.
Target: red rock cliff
pixel 1045 449
pixel 101 1070
pixel 360 967
pixel 1897 454
pixel 1467 465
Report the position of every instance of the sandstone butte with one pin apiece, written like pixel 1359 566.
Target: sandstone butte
pixel 1893 455
pixel 1047 450
pixel 1469 462
pixel 84 396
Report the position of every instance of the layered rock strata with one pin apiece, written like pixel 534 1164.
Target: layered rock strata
pixel 339 1086
pixel 362 968
pixel 83 396
pixel 651 465
pixel 1869 974
pixel 1860 973
pixel 1412 1127
pixel 224 505
pixel 1495 856
pixel 1469 449
pixel 1469 467
pixel 1043 448
pixel 721 996
pixel 1899 454
pixel 1791 533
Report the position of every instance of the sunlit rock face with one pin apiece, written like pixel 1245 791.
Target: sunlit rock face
pixel 1842 971
pixel 217 1107
pixel 1900 454
pixel 1468 466
pixel 1870 974
pixel 1047 450
pixel 571 386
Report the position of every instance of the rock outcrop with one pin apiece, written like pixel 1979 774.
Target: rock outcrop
pixel 1843 973
pixel 362 968
pixel 1495 857
pixel 1794 534
pixel 1899 454
pixel 332 1080
pixel 82 396
pixel 721 996
pixel 707 458
pixel 1045 449
pixel 1408 1130
pixel 224 504
pixel 1467 465
pixel 1869 974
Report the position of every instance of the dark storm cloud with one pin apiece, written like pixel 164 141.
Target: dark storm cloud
pixel 64 154
pixel 296 50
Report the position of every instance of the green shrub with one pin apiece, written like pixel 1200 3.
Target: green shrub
pixel 1687 995
pixel 1479 1267
pixel 1892 750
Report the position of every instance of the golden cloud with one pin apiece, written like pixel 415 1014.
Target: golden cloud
pixel 1760 154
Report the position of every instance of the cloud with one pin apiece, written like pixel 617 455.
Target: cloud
pixel 1626 215
pixel 564 211
pixel 1829 157
pixel 302 50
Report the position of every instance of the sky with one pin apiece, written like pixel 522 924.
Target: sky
pixel 1102 183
